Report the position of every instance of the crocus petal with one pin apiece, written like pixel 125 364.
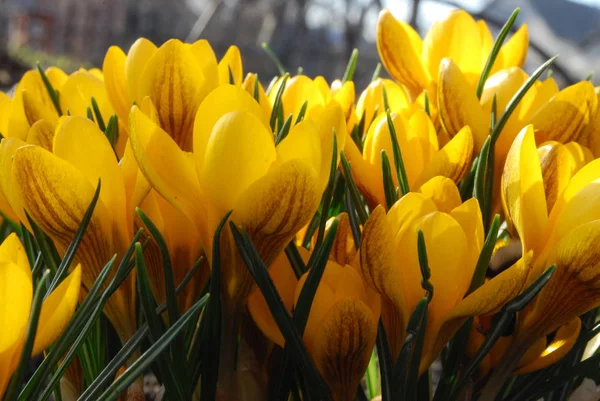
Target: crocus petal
pixel 487 42
pixel 249 84
pixel 77 92
pixel 114 81
pixel 343 250
pixel 366 176
pixel 370 103
pixel 285 281
pixel 240 151
pixel 458 105
pixel 443 192
pixel 14 209
pixel 207 61
pixel 342 347
pixel 298 90
pixel 36 110
pixel 303 143
pixel 523 190
pixel 57 310
pixel 173 82
pixel 574 288
pixel 232 60
pixel 400 47
pixel 331 121
pixel 452 161
pixel 486 300
pixel 224 99
pixel 81 143
pixel 5 106
pixel 137 57
pixel 468 215
pixel 566 116
pixel 558 166
pixel 458 38
pixel 41 134
pixel 170 171
pixel 16 293
pixel 565 338
pixel 514 51
pixel 447 256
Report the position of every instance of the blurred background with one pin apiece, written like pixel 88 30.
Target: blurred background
pixel 317 35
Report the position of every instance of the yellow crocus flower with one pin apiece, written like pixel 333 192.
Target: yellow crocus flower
pixel 389 262
pixel 341 328
pixel 414 62
pixel 231 61
pixel 273 190
pixel 176 77
pixel 422 157
pixel 249 84
pixel 371 104
pixel 55 188
pixel 16 294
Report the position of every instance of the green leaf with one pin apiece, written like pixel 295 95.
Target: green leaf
pixel 98 115
pixel 352 216
pixel 376 73
pixel 389 188
pixel 127 350
pixel 353 190
pixel 54 96
pixel 398 161
pixel 372 377
pixel 480 171
pixel 137 368
pixel 351 67
pixel 274 58
pixel 211 328
pixel 46 247
pixel 327 194
pixel 302 112
pixel 67 259
pixel 386 369
pixel 112 130
pixel 231 78
pixel 256 89
pixel 174 384
pixel 32 325
pixel 487 68
pixel 293 339
pixel 284 131
pixel 277 103
pixel 295 259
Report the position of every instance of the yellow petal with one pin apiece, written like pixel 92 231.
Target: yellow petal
pixel 400 47
pixel 452 161
pixel 443 192
pixel 36 110
pixel 42 134
pixel 468 215
pixel 272 210
pixel 232 60
pixel 81 143
pixel 16 293
pixel 566 116
pixel 239 152
pixel 342 347
pixel 345 96
pixel 5 105
pixel 447 254
pixel 370 103
pixel 523 190
pixel 285 281
pixel 7 191
pixel 302 143
pixel 224 99
pixel 138 56
pixel 114 81
pixel 170 171
pixel 565 338
pixel 207 61
pixel 558 166
pixel 249 85
pixel 57 310
pixel 458 38
pixel 331 121
pixel 487 42
pixel 574 288
pixel 514 51
pixel 458 105
pixel 343 250
pixel 172 81
pixel 298 90
pixel 77 92
pixel 486 300
pixel 366 176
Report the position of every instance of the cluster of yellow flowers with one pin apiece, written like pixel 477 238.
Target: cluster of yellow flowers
pixel 186 137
